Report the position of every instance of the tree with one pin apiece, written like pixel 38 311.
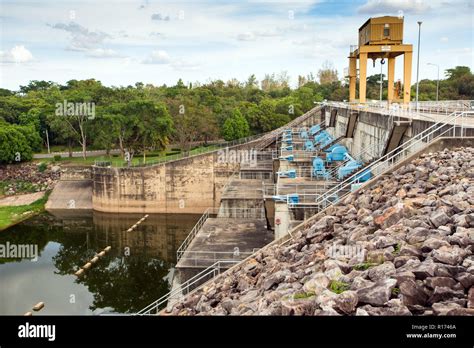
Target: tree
pixel 327 74
pixel 148 126
pixel 15 143
pixel 235 127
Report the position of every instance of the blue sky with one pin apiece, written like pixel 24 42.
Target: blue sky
pixel 124 41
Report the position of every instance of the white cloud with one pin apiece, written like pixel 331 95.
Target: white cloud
pixel 181 64
pixel 444 39
pixel 247 36
pixel 393 6
pixel 82 39
pixel 18 54
pixel 159 17
pixel 158 57
pixel 103 53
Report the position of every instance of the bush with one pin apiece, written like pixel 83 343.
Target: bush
pixel 57 158
pixel 115 155
pixel 14 146
pixel 42 167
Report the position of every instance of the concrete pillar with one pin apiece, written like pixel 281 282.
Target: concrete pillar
pixel 362 76
pixel 352 78
pixel 282 219
pixel 407 76
pixel 390 77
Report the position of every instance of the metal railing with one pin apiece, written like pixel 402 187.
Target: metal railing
pixel 260 175
pixel 184 245
pixel 181 155
pixel 396 155
pixel 183 289
pixel 221 212
pixel 202 258
pixel 409 110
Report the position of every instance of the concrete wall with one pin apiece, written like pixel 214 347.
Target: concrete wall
pixel 189 185
pixel 372 131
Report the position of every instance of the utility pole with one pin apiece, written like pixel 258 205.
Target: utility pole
pixel 437 81
pixel 418 64
pixel 382 62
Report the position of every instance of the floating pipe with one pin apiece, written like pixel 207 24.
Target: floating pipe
pixel 39 306
pixel 87 266
pixel 79 272
pixel 101 254
pixel 28 314
pixel 107 249
pixel 94 259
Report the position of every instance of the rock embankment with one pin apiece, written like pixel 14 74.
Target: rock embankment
pixel 404 246
pixel 26 177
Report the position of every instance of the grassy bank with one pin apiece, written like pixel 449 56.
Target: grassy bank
pixel 117 160
pixel 15 214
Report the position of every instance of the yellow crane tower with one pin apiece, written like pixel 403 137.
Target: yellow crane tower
pixel 380 38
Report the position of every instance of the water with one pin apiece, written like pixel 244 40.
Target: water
pixel 132 275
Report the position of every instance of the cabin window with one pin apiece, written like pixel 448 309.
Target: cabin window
pixel 386 30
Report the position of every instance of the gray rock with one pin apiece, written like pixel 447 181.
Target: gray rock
pixel 439 218
pixel 385 270
pixel 433 243
pixel 412 293
pixel 317 284
pixel 410 250
pixel 401 260
pixel 449 255
pixel 275 279
pixel 442 293
pixel 443 308
pixel 466 279
pixel 425 269
pixel 346 302
pixel 377 294
pixel 433 282
pixel 470 298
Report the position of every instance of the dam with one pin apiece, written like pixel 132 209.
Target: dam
pixel 306 168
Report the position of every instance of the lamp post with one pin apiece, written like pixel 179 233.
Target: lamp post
pixel 418 64
pixel 437 81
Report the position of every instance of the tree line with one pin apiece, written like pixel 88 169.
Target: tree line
pixel 143 118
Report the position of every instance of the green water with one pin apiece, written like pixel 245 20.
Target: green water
pixel 133 274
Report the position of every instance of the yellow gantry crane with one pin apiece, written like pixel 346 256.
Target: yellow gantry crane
pixel 380 38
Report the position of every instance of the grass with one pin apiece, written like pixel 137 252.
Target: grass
pixel 338 287
pixel 364 266
pixel 152 157
pixel 11 215
pixel 397 249
pixel 303 295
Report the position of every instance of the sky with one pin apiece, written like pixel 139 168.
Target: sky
pixel 120 42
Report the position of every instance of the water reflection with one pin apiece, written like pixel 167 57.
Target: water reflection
pixel 129 277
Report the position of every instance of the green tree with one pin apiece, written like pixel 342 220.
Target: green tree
pixel 235 127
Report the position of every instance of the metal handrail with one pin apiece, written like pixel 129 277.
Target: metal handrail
pixel 181 155
pixel 214 269
pixel 389 157
pixel 184 245
pixel 220 212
